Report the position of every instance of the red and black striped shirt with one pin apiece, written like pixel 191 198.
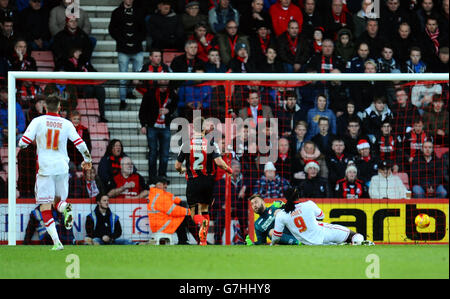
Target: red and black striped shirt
pixel 199 155
pixel 350 190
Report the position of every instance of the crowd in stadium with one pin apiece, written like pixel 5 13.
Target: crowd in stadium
pixel 336 139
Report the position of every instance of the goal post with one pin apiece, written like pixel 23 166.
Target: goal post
pixel 228 77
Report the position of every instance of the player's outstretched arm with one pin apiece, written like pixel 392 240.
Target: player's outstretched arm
pixel 81 146
pixel 22 143
pixel 278 229
pixel 29 135
pixel 179 167
pixel 222 164
pixel 275 240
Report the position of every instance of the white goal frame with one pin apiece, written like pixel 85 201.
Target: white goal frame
pixel 12 76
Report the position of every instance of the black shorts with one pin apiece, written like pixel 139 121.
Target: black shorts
pixel 200 190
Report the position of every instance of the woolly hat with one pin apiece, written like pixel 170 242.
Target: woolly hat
pixel 319 28
pixel 192 3
pixel 313 164
pixel 351 167
pixel 385 164
pixel 241 46
pixel 269 166
pixel 362 144
pixel 260 23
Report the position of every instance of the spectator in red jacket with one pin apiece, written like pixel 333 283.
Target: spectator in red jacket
pixel 205 41
pixel 282 13
pixel 414 140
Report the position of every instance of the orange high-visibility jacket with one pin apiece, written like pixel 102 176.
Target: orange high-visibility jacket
pixel 164 212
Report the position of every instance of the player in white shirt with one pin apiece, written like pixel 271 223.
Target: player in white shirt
pixel 51 132
pixel 303 220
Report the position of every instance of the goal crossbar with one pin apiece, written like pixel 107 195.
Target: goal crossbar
pixel 13 76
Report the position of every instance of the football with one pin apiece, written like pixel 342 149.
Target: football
pixel 422 220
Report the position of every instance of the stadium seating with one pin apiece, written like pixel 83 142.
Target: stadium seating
pixel 440 151
pixel 44 60
pixel 169 55
pixel 98 149
pixel 88 107
pixel 405 179
pixel 4 161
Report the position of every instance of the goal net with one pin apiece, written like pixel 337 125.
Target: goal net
pixel 371 151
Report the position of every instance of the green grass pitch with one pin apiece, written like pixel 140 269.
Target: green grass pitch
pixel 226 262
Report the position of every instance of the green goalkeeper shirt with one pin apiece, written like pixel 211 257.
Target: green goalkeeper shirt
pixel 266 222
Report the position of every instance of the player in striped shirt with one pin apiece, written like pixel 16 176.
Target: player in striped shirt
pixel 51 132
pixel 303 220
pixel 201 158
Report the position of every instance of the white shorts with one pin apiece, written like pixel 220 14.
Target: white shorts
pixel 334 233
pixel 48 187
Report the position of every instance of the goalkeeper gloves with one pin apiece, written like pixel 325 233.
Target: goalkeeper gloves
pixel 278 204
pixel 248 241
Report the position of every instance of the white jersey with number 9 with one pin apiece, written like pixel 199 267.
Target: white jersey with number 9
pixel 304 225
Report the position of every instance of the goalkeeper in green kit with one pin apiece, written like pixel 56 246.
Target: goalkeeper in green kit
pixel 265 223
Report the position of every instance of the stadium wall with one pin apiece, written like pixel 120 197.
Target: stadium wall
pixel 384 221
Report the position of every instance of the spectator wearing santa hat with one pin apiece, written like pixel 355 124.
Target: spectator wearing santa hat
pixel 350 186
pixel 314 186
pixel 366 164
pixel 271 185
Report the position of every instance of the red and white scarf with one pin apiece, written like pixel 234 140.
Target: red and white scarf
pixel 434 38
pixel 317 47
pixel 342 19
pixel 326 67
pixel 75 63
pixel 292 44
pixel 160 121
pixel 264 43
pixel 233 45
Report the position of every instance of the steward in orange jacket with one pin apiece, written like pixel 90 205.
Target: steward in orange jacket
pixel 164 212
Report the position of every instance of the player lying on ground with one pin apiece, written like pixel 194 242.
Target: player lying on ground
pixel 302 219
pixel 265 223
pixel 200 157
pixel 51 132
